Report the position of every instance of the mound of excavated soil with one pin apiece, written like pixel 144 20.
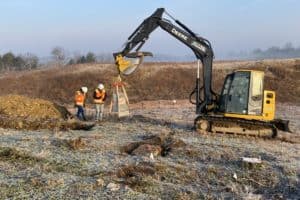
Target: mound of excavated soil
pixel 20 112
pixel 25 107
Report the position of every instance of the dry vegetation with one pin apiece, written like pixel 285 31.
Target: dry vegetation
pixel 155 153
pixel 151 82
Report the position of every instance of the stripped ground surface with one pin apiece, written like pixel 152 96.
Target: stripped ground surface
pixel 93 164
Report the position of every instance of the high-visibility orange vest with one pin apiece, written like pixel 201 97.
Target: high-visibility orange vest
pixel 79 99
pixel 99 96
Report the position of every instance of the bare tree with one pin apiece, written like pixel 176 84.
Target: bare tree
pixel 90 57
pixel 8 61
pixel 31 61
pixel 59 54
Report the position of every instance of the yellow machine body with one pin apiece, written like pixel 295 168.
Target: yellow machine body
pixel 268 113
pixel 122 63
pixel 257 104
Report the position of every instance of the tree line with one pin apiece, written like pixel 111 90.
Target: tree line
pixel 287 51
pixel 88 58
pixel 61 56
pixel 11 62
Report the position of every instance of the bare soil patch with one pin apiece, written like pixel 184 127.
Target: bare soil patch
pixel 21 112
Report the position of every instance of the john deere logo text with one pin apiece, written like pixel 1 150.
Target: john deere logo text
pixel 182 36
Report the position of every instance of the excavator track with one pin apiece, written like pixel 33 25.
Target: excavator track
pixel 234 126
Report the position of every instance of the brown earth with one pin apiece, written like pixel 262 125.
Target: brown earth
pixel 22 106
pixel 21 112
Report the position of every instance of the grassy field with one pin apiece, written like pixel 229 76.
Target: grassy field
pixel 113 160
pixel 98 164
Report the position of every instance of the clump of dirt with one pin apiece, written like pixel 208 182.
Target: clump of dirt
pixel 20 112
pixel 132 175
pixel 146 149
pixel 56 124
pixel 11 154
pixel 156 144
pixel 21 106
pixel 72 144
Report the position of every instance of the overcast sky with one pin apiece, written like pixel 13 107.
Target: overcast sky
pixel 100 26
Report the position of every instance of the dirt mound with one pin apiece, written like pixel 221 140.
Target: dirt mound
pixel 156 144
pixel 25 107
pixel 20 112
pixel 133 175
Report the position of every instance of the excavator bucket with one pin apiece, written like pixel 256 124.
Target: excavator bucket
pixel 129 63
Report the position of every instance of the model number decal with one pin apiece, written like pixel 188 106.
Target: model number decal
pixel 198 46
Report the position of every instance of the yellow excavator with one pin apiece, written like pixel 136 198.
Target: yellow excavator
pixel 243 106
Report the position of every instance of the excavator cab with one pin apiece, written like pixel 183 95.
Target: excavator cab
pixel 243 96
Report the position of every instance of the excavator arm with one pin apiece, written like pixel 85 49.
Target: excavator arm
pixel 141 33
pixel 200 46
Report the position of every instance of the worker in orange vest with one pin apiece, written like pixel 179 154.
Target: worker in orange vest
pixel 99 100
pixel 80 103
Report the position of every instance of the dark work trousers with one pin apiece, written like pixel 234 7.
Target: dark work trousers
pixel 80 113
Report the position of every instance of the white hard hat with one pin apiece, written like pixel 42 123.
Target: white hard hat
pixel 84 89
pixel 101 86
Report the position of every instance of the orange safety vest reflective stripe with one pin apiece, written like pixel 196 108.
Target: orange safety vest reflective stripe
pixel 79 99
pixel 99 96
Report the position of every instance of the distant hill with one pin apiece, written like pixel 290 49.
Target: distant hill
pixel 151 81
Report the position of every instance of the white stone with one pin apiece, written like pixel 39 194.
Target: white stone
pixel 113 187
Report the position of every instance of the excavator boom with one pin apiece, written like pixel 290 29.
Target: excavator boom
pixel 200 46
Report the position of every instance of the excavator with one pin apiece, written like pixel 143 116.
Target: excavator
pixel 243 107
